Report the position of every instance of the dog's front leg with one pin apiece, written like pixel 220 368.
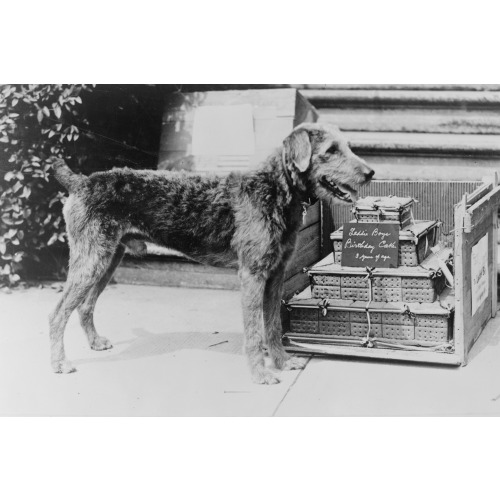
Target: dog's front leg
pixel 272 319
pixel 252 290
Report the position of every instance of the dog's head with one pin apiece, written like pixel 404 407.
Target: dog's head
pixel 321 165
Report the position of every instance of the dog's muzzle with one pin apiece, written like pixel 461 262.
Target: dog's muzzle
pixel 340 191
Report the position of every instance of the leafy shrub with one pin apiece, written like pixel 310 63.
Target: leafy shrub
pixel 36 122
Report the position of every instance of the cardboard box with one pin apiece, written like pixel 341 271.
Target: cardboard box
pixel 223 131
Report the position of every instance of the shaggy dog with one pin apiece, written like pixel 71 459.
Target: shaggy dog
pixel 247 221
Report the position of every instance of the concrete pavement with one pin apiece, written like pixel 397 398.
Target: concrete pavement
pixel 178 351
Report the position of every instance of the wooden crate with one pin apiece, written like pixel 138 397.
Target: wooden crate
pixel 274 113
pixel 473 299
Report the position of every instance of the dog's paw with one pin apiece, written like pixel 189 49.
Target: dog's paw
pixel 295 363
pixel 101 344
pixel 266 377
pixel 63 366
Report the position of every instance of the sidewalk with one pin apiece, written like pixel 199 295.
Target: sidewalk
pixel 168 360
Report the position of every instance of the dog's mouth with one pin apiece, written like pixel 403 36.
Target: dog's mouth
pixel 342 192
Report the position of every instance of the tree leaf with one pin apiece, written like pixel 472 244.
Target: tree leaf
pixel 57 110
pixel 18 256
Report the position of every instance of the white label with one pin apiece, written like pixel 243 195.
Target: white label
pixel 479 273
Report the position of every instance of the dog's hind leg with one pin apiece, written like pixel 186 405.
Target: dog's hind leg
pixel 272 318
pixel 88 264
pixel 252 288
pixel 86 308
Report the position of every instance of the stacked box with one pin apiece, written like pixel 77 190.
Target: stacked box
pixel 407 307
pixel 430 324
pixel 390 209
pixel 402 285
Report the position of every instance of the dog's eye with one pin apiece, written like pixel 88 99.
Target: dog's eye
pixel 332 149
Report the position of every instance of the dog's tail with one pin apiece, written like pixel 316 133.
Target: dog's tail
pixel 66 177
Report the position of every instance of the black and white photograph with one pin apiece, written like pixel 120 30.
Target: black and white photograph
pixel 255 243
pixel 221 289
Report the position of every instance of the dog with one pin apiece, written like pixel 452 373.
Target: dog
pixel 247 221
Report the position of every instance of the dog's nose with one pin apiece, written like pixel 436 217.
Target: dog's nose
pixel 369 175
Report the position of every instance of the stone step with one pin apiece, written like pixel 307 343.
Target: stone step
pixel 391 86
pixel 332 98
pixel 432 156
pixel 419 111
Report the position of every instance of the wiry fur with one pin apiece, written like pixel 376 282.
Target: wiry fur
pixel 248 221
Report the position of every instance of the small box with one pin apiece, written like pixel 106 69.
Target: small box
pixel 380 209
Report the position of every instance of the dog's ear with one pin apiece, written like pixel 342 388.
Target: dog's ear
pixel 298 150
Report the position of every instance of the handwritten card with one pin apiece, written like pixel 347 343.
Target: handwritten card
pixel 372 245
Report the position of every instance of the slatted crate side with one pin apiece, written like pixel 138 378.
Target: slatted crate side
pixel 474 223
pixel 435 200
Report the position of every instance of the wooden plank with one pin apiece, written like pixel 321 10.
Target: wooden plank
pixel 383 354
pixel 328 226
pixel 459 279
pixel 307 234
pixel 482 209
pixel 477 194
pixel 494 252
pixel 305 256
pixel 295 284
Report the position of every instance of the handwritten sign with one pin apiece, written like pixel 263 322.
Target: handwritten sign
pixel 479 273
pixel 372 245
